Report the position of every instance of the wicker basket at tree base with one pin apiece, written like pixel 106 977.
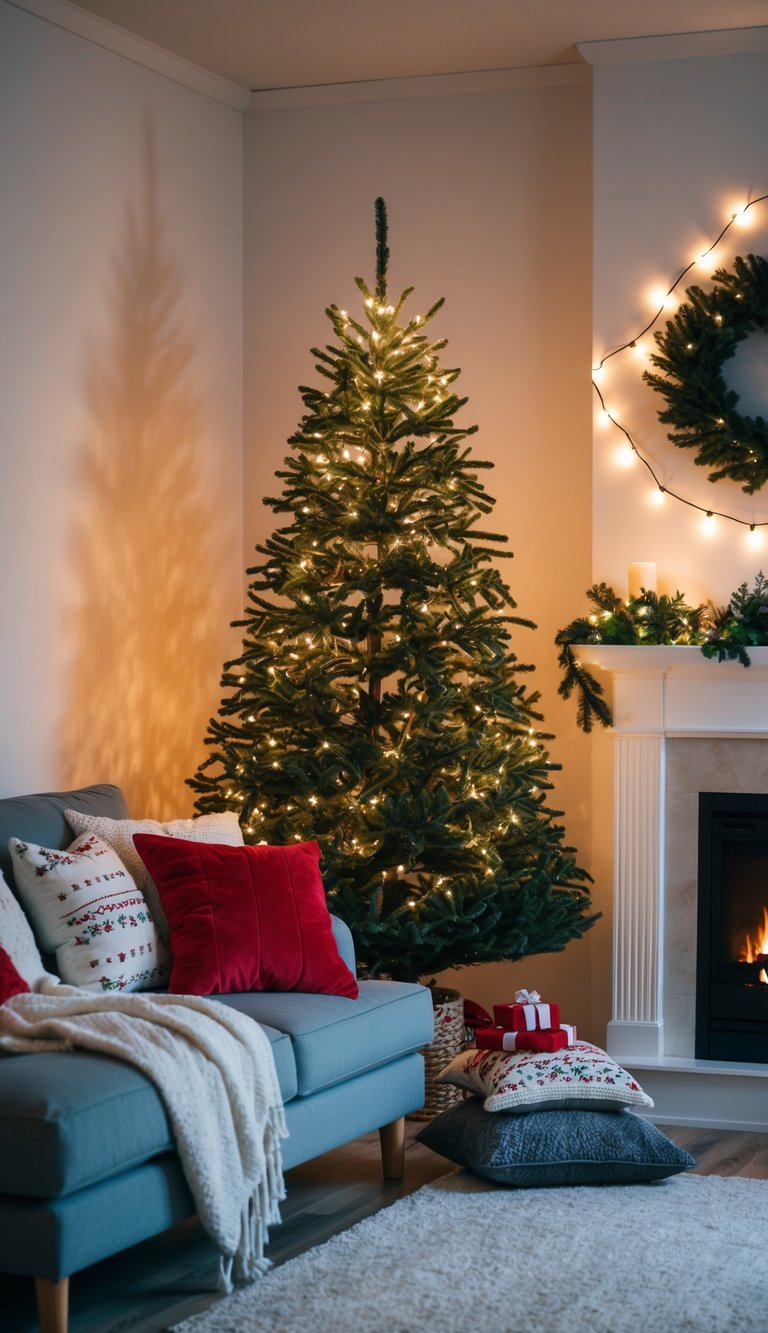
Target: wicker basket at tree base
pixel 449 1039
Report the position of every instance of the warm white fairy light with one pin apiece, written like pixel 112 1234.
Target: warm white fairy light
pixel 625 455
pixel 661 299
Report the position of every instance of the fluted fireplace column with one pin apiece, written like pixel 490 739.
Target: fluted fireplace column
pixel 636 1027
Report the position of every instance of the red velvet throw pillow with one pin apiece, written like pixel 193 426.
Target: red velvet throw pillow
pixel 11 981
pixel 245 918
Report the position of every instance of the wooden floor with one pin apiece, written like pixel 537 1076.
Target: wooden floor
pixel 168 1278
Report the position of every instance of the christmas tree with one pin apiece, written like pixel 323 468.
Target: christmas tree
pixel 377 705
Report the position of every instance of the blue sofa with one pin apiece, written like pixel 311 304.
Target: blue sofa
pixel 87 1160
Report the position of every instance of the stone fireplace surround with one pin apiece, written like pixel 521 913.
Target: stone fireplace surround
pixel 682 725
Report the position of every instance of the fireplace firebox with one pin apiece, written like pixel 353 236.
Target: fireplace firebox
pixel 732 946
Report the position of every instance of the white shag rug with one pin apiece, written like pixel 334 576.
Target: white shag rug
pixel 685 1254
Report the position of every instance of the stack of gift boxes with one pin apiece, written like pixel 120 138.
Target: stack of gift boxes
pixel 526 1025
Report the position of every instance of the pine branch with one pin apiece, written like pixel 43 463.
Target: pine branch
pixel 382 249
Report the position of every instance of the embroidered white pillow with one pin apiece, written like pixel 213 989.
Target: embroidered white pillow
pixel 118 833
pixel 17 939
pixel 86 909
pixel 581 1077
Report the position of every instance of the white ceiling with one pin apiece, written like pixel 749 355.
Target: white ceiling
pixel 293 43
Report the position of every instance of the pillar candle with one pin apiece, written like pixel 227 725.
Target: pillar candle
pixel 642 574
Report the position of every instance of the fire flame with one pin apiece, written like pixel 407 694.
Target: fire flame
pixel 755 946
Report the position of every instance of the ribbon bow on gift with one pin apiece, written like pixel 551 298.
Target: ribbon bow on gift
pixel 527 997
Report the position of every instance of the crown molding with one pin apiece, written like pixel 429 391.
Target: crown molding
pixel 676 46
pixel 100 32
pixel 430 85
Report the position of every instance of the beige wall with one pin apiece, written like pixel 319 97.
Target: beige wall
pixel 120 385
pixel 488 185
pixel 679 142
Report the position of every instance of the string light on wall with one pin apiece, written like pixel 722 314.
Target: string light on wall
pixel 740 464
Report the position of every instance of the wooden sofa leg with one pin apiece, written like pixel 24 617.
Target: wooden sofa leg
pixel 393 1149
pixel 52 1304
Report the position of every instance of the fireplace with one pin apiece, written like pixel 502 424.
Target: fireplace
pixel 683 725
pixel 732 946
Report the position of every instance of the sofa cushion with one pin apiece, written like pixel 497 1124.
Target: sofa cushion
pixel 335 1038
pixel 70 1119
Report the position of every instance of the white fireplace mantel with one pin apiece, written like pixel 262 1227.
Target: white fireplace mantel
pixel 660 694
pixel 678 691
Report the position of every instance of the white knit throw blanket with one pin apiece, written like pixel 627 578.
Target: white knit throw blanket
pixel 215 1071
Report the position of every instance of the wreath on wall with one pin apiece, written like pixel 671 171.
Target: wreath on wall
pixel 701 337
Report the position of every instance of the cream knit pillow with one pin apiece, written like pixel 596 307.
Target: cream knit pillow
pixel 118 833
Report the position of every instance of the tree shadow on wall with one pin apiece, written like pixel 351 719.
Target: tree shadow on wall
pixel 146 642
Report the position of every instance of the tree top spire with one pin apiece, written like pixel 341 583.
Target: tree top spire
pixel 382 249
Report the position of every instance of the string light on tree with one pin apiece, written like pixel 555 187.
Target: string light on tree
pixel 401 734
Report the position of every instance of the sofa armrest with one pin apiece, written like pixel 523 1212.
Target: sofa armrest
pixel 344 943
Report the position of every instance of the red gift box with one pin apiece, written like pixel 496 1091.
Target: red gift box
pixel 528 1015
pixel 501 1039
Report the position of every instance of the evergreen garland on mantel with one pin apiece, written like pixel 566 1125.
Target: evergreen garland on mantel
pixel 650 619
